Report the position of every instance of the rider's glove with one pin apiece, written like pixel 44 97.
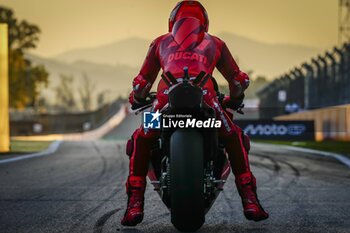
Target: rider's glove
pixel 141 87
pixel 133 99
pixel 239 84
pixel 233 103
pixel 243 80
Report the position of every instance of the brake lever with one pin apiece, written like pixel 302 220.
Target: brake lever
pixel 221 97
pixel 136 106
pixel 146 103
pixel 143 108
pixel 240 109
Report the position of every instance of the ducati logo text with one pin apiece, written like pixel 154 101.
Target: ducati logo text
pixel 187 56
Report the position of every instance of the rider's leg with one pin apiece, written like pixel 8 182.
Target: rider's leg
pixel 237 148
pixel 143 140
pixel 237 151
pixel 136 182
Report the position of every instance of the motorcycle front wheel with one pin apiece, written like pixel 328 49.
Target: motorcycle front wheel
pixel 187 180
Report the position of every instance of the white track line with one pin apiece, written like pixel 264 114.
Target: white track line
pixel 341 158
pixel 50 150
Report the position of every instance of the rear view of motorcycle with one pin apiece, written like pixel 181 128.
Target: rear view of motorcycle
pixel 189 134
pixel 189 166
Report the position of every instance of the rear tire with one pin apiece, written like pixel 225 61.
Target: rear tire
pixel 187 180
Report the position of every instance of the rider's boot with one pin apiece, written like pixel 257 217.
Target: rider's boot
pixel 135 189
pixel 246 185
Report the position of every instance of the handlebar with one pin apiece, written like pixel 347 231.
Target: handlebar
pixel 145 103
pixel 169 79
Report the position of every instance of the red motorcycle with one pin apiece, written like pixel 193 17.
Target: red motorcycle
pixel 189 167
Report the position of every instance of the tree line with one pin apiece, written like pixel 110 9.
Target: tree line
pixel 26 79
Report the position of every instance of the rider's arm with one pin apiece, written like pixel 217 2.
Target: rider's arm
pixel 238 80
pixel 143 82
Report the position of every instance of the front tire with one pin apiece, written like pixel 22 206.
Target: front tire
pixel 187 180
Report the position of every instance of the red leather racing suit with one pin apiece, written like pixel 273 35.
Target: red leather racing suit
pixel 199 51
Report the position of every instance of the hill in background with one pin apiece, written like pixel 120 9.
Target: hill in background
pixel 130 52
pixel 113 80
pixel 111 67
pixel 264 59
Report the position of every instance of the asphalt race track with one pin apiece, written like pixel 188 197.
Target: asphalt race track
pixel 81 189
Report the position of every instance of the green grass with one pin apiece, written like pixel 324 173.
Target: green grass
pixel 330 146
pixel 20 147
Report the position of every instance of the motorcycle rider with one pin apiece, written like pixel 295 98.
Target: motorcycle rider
pixel 188 44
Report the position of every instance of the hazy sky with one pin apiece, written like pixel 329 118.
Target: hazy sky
pixel 70 24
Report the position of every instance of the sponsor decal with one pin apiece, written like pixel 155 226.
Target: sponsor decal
pixel 274 129
pixel 296 129
pixel 222 117
pixel 187 56
pixel 278 130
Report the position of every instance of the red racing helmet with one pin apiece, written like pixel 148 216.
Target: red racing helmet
pixel 188 8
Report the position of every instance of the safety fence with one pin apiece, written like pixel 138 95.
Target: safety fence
pixel 323 82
